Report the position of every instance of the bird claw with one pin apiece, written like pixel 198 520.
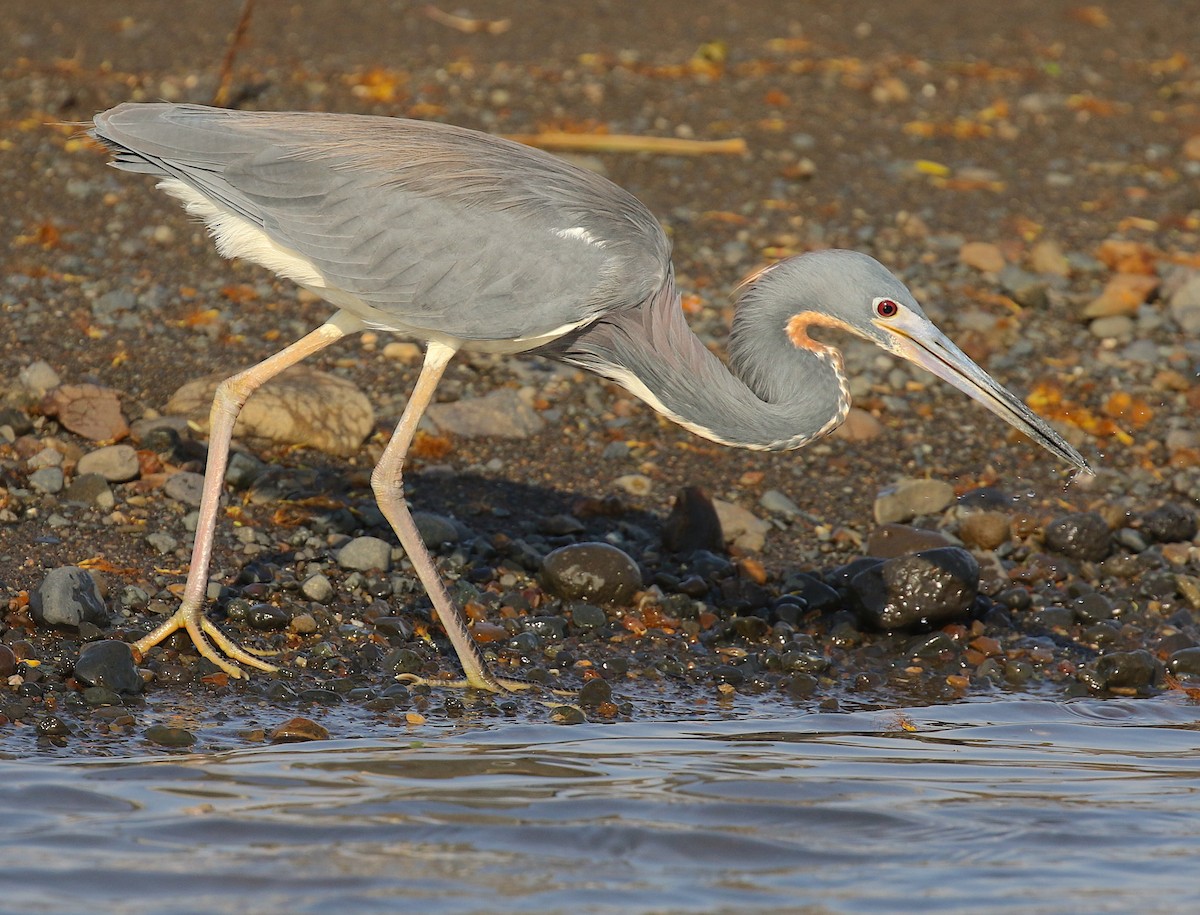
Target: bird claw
pixel 200 629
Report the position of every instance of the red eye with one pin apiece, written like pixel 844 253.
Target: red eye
pixel 886 308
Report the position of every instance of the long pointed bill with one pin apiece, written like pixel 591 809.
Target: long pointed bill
pixel 919 341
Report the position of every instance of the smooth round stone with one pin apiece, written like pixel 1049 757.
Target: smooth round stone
pixel 116 463
pixel 1127 669
pixel 67 597
pixel 985 530
pixel 8 661
pixel 928 588
pixel 267 618
pixel 184 487
pixel 48 480
pixel 591 571
pixel 588 616
pixel 169 737
pixel 595 692
pixel 90 489
pixel 908 499
pixel 363 554
pixel 1169 523
pixel 692 523
pixel 298 730
pixel 1185 663
pixel 109 664
pixel 1083 535
pixel 434 529
pixel 887 541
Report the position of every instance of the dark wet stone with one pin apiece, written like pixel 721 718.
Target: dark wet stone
pixel 567 714
pixel 1169 523
pixel 751 627
pixel 298 730
pixel 561 525
pixel 1053 618
pixel 280 692
pixel 547 628
pixel 97 696
pixel 109 664
pixel 803 662
pixel 267 618
pixel 727 673
pixel 692 523
pixel 435 529
pixel 8 661
pixel 588 616
pixel 67 596
pixel 1014 599
pixel 815 593
pixel 985 530
pixel 842 575
pixel 594 693
pixel 887 541
pixel 985 497
pixel 1126 669
pixel 1083 535
pixel 18 420
pixel 320 696
pixel 803 686
pixel 169 737
pixel 394 627
pixel 591 571
pixel 1185 662
pixel 1091 608
pixel 403 661
pixel 52 726
pixel 692 586
pixel 929 588
pixel 707 565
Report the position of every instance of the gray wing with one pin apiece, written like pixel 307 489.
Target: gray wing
pixel 439 227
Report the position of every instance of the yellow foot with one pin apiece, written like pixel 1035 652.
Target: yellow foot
pixel 491 684
pixel 200 629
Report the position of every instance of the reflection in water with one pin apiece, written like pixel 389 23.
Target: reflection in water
pixel 1022 806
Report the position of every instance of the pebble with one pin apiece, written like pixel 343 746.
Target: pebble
pixel 888 541
pixel 591 571
pixel 185 487
pixel 501 414
pixel 929 588
pixel 983 256
pixel 1169 523
pixel 68 596
pixel 38 377
pixel 298 730
pixel 364 554
pixel 48 480
pixel 318 588
pixel 166 736
pixel 115 463
pixel 1112 327
pixel 636 484
pixel 435 529
pixel 692 524
pixel 1025 288
pixel 1185 663
pixel 594 693
pixel 907 499
pixel 859 426
pixel 742 527
pixel 90 489
pixel 8 661
pixel 588 616
pixel 985 530
pixel 1047 257
pixel 1122 295
pixel 109 664
pixel 1081 535
pixel 1125 670
pixel 778 504
pixel 88 410
pixel 301 406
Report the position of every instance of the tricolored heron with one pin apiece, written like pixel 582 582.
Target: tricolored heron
pixel 463 240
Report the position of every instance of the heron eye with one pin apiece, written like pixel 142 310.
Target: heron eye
pixel 886 308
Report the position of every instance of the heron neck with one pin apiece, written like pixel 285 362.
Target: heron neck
pixel 774 397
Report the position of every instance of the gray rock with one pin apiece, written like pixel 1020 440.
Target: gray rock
pixel 1028 289
pixel 116 463
pixel 927 589
pixel 47 480
pixel 67 597
pixel 38 378
pixel 778 504
pixel 985 530
pixel 185 487
pixel 318 588
pixel 435 530
pixel 500 414
pixel 1170 523
pixel 1125 670
pixel 114 301
pixel 363 554
pixel 109 664
pixel 243 470
pixel 162 542
pixel 591 571
pixel 907 499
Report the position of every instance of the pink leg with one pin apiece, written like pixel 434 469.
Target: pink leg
pixel 231 396
pixel 388 484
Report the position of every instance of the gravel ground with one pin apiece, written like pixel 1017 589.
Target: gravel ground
pixel 1036 183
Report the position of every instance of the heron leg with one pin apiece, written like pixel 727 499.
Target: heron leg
pixel 387 480
pixel 231 396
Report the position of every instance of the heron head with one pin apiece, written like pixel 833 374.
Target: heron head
pixel 856 293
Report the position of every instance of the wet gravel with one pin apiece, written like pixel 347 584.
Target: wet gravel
pixel 1011 177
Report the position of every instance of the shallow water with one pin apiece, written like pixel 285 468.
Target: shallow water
pixel 999 806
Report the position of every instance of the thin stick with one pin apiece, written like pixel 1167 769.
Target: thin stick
pixel 624 143
pixel 221 96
